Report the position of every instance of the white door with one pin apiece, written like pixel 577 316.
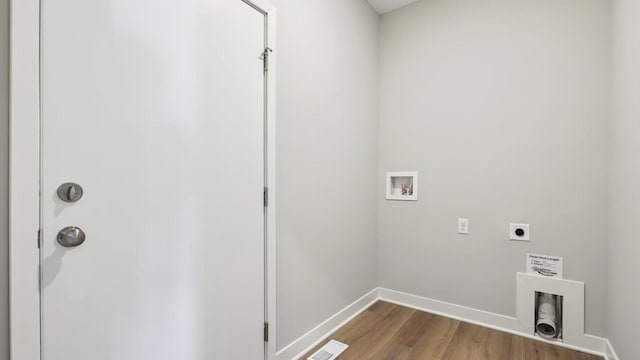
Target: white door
pixel 156 109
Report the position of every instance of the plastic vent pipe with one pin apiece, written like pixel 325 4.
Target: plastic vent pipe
pixel 546 326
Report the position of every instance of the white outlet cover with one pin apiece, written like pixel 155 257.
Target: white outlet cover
pixel 512 232
pixel 463 226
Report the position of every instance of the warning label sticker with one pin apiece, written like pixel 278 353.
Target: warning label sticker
pixel 544 265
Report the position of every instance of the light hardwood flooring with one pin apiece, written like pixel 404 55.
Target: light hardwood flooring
pixel 388 331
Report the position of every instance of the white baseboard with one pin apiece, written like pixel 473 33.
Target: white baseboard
pixel 466 314
pixel 610 352
pixel 312 338
pixel 589 344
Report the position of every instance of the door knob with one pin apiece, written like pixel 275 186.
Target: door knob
pixel 70 192
pixel 71 236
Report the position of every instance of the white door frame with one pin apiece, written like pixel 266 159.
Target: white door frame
pixel 24 179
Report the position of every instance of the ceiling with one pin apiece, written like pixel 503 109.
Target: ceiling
pixel 385 6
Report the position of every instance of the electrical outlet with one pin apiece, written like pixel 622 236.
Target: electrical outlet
pixel 463 226
pixel 519 232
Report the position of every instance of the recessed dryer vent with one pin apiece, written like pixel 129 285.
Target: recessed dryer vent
pixel 548 316
pixel 552 309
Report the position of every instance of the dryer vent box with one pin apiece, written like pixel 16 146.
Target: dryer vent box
pixel 548 316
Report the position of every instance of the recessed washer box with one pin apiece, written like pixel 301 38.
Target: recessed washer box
pixel 402 185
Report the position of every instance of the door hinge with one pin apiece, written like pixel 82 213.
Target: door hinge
pixel 266 331
pixel 38 239
pixel 265 196
pixel 265 58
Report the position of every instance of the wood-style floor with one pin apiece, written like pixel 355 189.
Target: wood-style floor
pixel 388 331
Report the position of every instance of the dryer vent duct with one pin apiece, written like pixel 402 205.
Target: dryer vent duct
pixel 548 313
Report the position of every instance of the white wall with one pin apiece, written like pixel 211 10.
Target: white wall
pixel 624 238
pixel 327 146
pixel 4 179
pixel 503 108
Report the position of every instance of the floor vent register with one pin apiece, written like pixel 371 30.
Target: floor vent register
pixel 329 351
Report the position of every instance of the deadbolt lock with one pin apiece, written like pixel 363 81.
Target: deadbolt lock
pixel 70 192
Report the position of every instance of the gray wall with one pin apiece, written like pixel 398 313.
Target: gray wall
pixel 468 93
pixel 4 178
pixel 327 145
pixel 624 247
pixel 503 108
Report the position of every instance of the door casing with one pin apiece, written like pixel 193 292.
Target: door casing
pixel 24 179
